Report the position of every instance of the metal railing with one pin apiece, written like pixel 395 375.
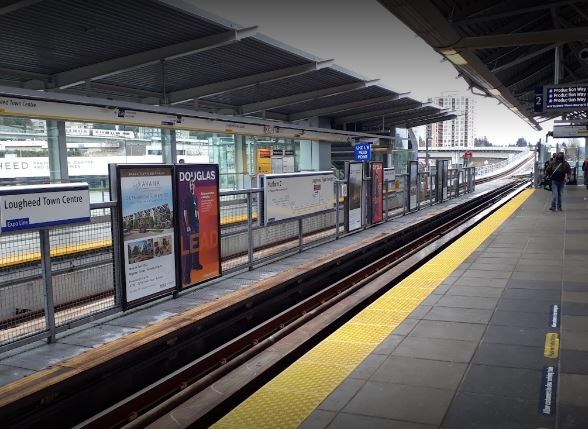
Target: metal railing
pixel 499 167
pixel 83 264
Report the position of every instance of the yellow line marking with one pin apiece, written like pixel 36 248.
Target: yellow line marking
pixel 551 345
pixel 288 399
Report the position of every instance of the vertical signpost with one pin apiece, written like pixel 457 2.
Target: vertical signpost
pixel 198 222
pixel 146 207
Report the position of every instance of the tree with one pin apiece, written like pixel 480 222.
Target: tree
pixel 522 142
pixel 482 141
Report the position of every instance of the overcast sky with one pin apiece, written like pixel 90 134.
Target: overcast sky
pixel 362 36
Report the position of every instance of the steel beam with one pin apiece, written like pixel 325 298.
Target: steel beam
pixel 514 12
pixel 560 35
pixel 379 113
pixel 523 58
pixel 221 87
pixel 13 6
pixel 298 98
pixel 343 107
pixel 429 120
pixel 118 65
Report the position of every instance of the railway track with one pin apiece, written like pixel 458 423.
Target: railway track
pixel 149 380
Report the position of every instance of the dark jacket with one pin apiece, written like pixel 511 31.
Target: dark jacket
pixel 558 170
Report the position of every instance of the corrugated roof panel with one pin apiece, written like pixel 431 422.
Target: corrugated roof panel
pixel 334 100
pixel 320 79
pixel 396 104
pixel 57 35
pixel 243 58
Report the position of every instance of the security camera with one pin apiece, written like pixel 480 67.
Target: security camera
pixel 583 54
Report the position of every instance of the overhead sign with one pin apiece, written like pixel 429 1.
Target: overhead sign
pixel 42 206
pixel 468 154
pixel 363 152
pixel 566 97
pixel 13 106
pixel 294 195
pixel 560 131
pixel 539 100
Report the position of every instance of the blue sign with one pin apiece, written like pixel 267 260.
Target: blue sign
pixel 539 99
pixel 548 391
pixel 554 316
pixel 570 97
pixel 363 152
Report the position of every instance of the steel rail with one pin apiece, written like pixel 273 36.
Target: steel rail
pixel 146 406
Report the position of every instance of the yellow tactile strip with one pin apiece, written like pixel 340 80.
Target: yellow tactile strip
pixel 288 399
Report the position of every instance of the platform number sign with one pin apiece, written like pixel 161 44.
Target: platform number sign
pixel 363 152
pixel 538 100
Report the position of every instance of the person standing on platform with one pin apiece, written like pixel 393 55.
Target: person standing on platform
pixel 559 172
pixel 191 241
pixel 585 170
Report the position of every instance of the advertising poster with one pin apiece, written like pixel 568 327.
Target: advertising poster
pixel 288 161
pixel 389 178
pixel 198 222
pixel 377 173
pixel 277 163
pixel 413 185
pixel 445 178
pixel 146 202
pixel 354 191
pixel 264 161
pixel 293 195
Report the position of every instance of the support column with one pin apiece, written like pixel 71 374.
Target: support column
pixel 168 146
pixel 241 170
pixel 315 155
pixel 57 147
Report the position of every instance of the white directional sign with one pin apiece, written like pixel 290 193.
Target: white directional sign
pixel 43 206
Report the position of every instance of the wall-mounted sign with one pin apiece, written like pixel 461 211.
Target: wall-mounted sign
pixel 294 195
pixel 560 131
pixel 362 152
pixel 146 204
pixel 198 222
pixel 264 161
pixel 43 206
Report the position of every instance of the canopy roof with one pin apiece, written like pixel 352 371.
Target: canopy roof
pixel 505 48
pixel 169 53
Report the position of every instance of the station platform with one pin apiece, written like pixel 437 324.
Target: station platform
pixel 470 352
pixel 30 359
pixel 490 333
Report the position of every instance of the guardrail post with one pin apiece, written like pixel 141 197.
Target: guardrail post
pixel 117 257
pixel 337 186
pixel 300 236
pixel 47 284
pixel 250 230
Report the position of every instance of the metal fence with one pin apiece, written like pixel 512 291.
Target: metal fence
pixel 84 286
